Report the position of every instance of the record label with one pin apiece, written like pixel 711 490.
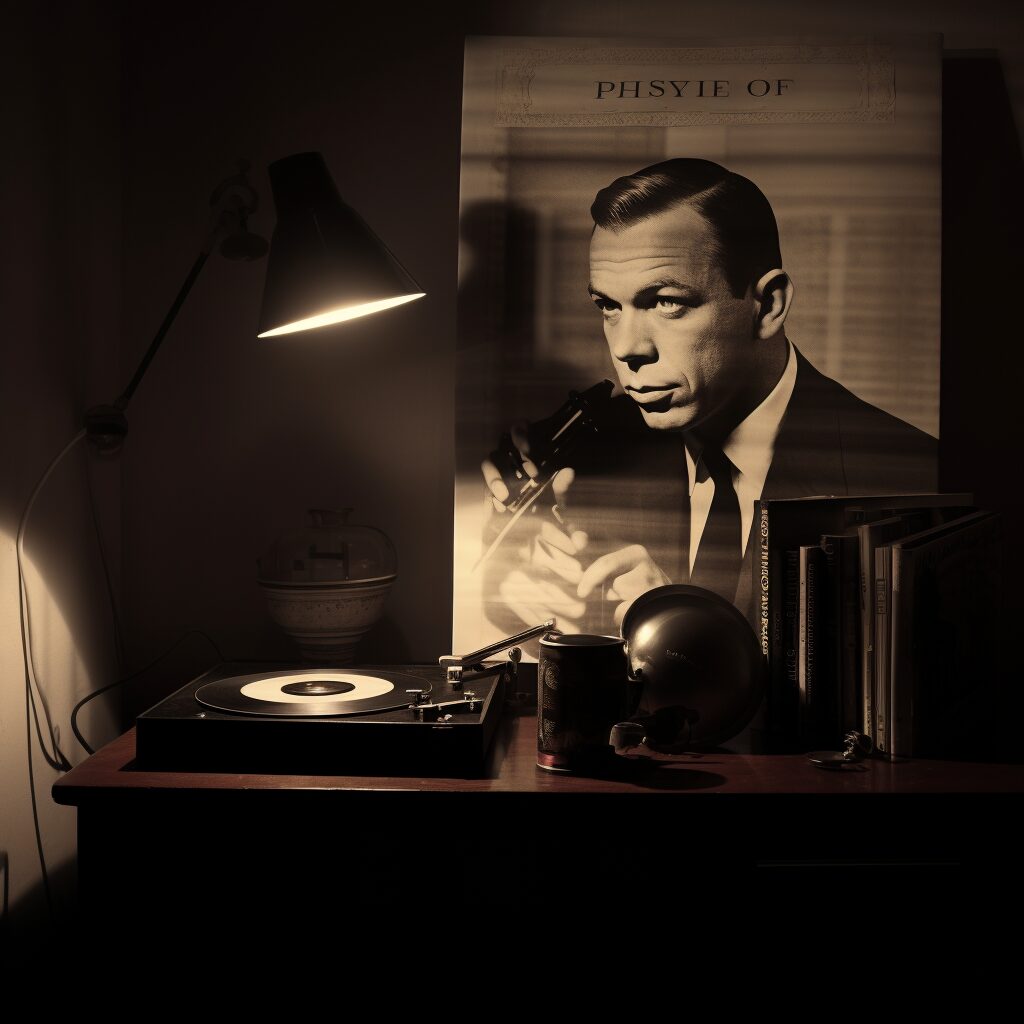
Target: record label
pixel 272 687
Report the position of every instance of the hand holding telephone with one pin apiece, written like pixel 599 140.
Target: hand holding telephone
pixel 528 459
pixel 551 579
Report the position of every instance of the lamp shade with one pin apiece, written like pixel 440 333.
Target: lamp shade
pixel 325 263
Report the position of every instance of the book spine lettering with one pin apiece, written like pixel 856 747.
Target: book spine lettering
pixel 881 674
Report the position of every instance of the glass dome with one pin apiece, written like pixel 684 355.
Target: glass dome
pixel 330 552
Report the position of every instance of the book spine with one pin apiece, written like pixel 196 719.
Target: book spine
pixel 762 581
pixel 804 713
pixel 768 586
pixel 867 629
pixel 791 644
pixel 777 578
pixel 883 600
pixel 810 634
pixel 901 679
pixel 831 654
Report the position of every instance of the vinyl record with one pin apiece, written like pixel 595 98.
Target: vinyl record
pixel 309 693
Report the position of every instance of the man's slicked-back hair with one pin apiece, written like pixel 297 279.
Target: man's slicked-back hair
pixel 740 215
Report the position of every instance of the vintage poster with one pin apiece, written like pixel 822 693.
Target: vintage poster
pixel 743 240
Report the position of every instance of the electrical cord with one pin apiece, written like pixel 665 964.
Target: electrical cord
pixel 35 812
pixel 134 675
pixel 55 757
pixel 230 220
pixel 34 695
pixel 119 632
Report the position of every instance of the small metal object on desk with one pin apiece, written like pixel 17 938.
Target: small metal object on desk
pixel 443 710
pixel 856 747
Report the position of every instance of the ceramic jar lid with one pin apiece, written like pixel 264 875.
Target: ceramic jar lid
pixel 330 551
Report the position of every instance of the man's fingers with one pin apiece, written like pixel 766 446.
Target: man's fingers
pixel 541 600
pixel 562 604
pixel 512 455
pixel 557 561
pixel 615 563
pixel 560 484
pixel 521 439
pixel 561 540
pixel 493 480
pixel 636 581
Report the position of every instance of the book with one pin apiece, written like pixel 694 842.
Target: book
pixel 945 637
pixel 811 672
pixel 783 525
pixel 883 599
pixel 842 631
pixel 788 700
pixel 871 536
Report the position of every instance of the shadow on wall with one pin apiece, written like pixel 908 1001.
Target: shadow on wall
pixel 982 362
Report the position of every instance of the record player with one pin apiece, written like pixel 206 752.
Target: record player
pixel 243 717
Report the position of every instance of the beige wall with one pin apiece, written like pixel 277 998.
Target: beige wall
pixel 60 297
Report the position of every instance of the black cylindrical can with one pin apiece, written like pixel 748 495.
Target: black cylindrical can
pixel 582 691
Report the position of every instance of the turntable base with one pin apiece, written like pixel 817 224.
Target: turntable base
pixel 248 717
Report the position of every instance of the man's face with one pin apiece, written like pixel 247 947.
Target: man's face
pixel 680 340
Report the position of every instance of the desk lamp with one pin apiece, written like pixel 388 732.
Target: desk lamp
pixel 325 266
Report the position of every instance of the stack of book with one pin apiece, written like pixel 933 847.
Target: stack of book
pixel 877 614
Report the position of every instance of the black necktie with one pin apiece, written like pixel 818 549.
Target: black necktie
pixel 717 565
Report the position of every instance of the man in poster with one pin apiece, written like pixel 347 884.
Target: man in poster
pixel 719 409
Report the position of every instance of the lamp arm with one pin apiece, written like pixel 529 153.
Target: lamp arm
pixel 179 300
pixel 106 425
pixel 232 202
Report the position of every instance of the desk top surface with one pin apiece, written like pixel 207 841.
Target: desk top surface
pixel 512 769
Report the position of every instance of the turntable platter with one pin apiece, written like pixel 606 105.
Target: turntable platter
pixel 311 693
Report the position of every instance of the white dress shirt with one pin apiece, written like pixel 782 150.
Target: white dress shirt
pixel 749 448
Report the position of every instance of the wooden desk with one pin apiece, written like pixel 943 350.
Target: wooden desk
pixel 712 829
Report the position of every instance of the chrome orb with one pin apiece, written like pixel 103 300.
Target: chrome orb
pixel 690 648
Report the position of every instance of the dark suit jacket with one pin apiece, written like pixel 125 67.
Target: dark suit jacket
pixel 832 442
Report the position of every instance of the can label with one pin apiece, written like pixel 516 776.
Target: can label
pixel 582 691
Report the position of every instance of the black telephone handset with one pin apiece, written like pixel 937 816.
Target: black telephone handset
pixel 552 441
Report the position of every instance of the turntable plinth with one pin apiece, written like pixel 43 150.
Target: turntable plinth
pixel 252 717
